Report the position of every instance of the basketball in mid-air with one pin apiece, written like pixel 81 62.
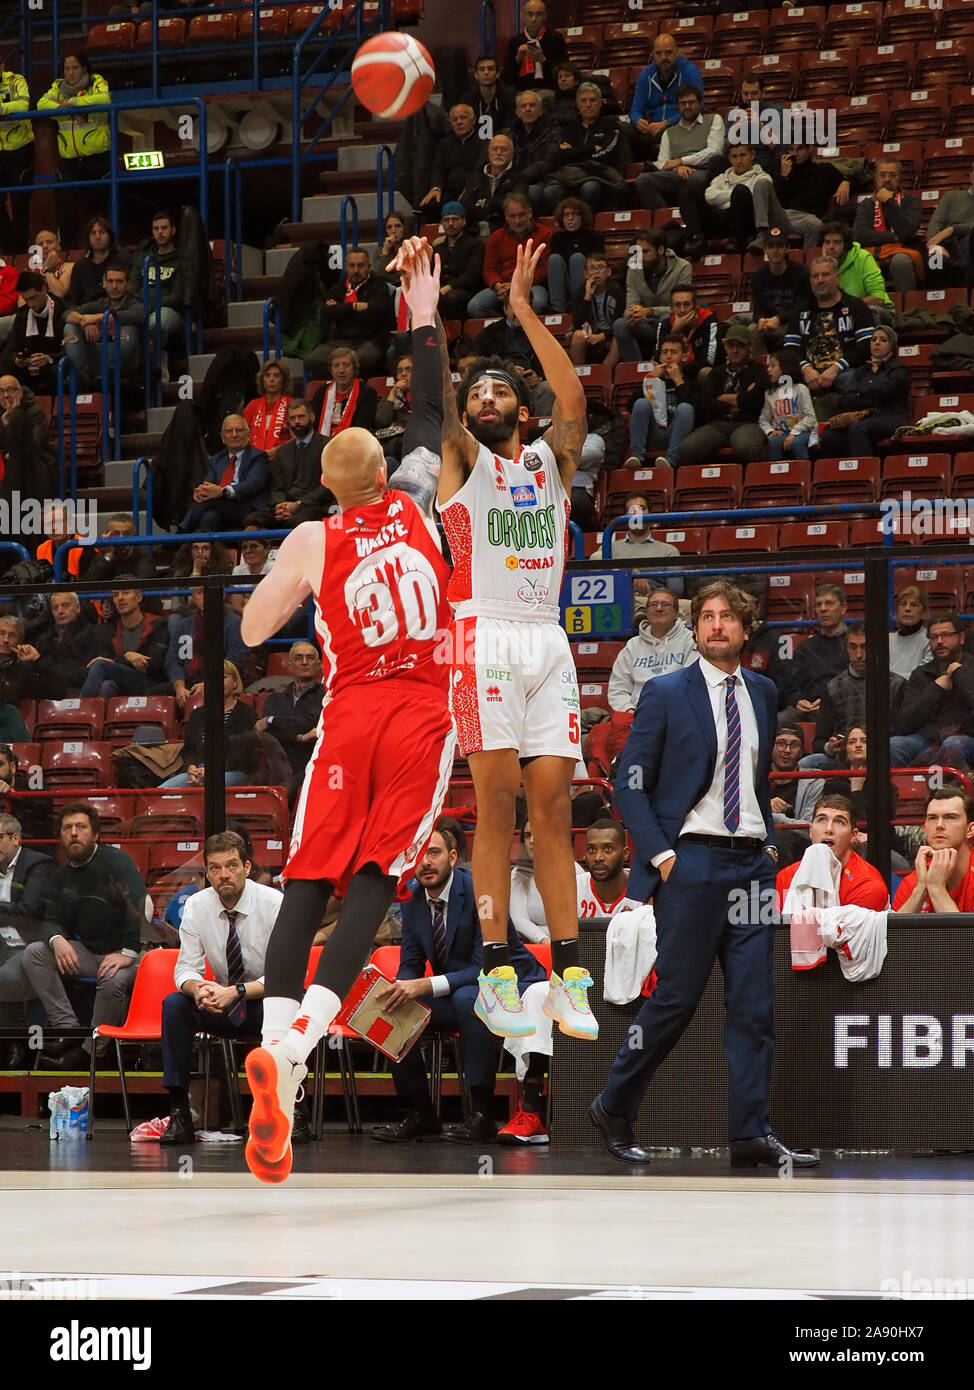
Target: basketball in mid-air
pixel 393 75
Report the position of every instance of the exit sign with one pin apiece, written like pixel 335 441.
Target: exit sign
pixel 145 159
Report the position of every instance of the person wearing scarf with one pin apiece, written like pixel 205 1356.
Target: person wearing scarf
pixel 346 399
pixel 267 413
pixel 35 341
pixel 358 312
pixel 889 222
pixel 533 55
pixel 83 140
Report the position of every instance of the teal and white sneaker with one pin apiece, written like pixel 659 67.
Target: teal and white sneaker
pixel 499 1005
pixel 567 1003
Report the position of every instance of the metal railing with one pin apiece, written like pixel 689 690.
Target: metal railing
pixel 349 207
pixel 385 185
pixel 66 367
pixel 488 27
pixel 111 375
pixel 272 310
pixel 137 468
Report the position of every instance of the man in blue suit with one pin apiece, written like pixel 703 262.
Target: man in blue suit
pixel 440 926
pixel 237 482
pixel 693 792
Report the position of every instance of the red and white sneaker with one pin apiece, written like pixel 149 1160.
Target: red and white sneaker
pixel 523 1128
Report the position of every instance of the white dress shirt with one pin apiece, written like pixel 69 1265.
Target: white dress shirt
pixel 10 935
pixel 714 145
pixel 707 817
pixel 204 929
pixel 440 983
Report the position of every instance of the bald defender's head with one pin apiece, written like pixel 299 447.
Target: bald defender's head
pixel 354 467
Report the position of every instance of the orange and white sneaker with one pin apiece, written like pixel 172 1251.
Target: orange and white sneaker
pixel 275 1075
pixel 523 1128
pixel 567 1003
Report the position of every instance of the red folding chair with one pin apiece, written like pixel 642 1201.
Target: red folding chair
pixel 70 719
pixel 724 539
pixel 845 480
pixel 814 535
pixel 776 483
pixel 143 1023
pixel 169 813
pixel 705 487
pixel 76 764
pixel 126 713
pixel 921 475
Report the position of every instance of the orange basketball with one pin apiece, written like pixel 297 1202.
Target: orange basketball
pixel 393 75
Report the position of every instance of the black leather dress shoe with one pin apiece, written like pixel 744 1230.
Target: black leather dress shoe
pixel 180 1129
pixel 475 1130
pixel 617 1134
pixel 767 1151
pixel 412 1127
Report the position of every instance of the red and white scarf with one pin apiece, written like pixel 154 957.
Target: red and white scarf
pixel 325 426
pixel 267 428
pixel 879 211
pixel 529 65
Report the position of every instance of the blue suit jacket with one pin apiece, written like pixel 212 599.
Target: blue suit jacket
pixel 464 944
pixel 253 476
pixel 669 759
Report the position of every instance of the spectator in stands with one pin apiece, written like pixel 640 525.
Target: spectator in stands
pixel 159 257
pixel 949 229
pixel 486 188
pixel 255 558
pixel 569 244
pixel 909 646
pixel 51 261
pixel 788 416
pixel 441 928
pixel 83 331
pixel 691 152
pixel 295 472
pixel 238 718
pixel 779 289
pixel 491 100
pixel 936 718
pixel 663 644
pixel 890 221
pixel 237 481
pixel 138 642
pixel 57 531
pixel 184 657
pixel 25 880
pixel 873 400
pixel 843 704
pixel 292 715
pixel 942 879
pixel 527 910
pixel 9 299
pixel 87 275
pixel 83 139
pixel 347 400
pixel 110 563
pixel 93 920
pixel 19 678
pixel 457 156
pixel 740 204
pixel 834 824
pixel 802 680
pixel 654 104
pixel 597 306
pixel 703 344
pixel 266 414
pixel 36 338
pixel 593 152
pixel 830 336
pixel 677 401
pixel 637 542
pixel 730 403
pixel 16 159
pixel 196 558
pixel 29 465
pixel 568 77
pixel 461 254
pixel 61 656
pixel 654 272
pixel 537 144
pixel 227 927
pixel 806 188
pixel 755 104
pixel 786 753
pixel 500 259
pixel 859 273
pixel 393 236
pixel 533 54
pixel 392 412
pixel 360 318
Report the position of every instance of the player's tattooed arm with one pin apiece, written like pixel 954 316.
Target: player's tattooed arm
pixel 566 438
pixel 459 447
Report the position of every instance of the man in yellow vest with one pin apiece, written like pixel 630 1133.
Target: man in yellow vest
pixel 16 161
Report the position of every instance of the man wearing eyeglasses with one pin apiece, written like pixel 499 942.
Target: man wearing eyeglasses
pixel 663 644
pixel 25 877
pixel 28 459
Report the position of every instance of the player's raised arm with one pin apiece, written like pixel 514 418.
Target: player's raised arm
pixel 279 592
pixel 419 472
pixel 568 419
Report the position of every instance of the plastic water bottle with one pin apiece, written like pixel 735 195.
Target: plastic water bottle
pixel 58 1105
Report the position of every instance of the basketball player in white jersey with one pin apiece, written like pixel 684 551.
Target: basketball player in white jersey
pixel 514 691
pixel 602 892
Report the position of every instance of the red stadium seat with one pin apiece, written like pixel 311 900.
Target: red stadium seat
pixel 689 540
pixel 596 382
pixel 617 79
pixel 860 117
pixel 961 118
pixel 126 712
pixel 137 850
pixel 813 535
pixel 789 595
pixel 727 538
pixel 721 80
pixel 845 480
pixel 70 719
pixel 923 475
pixel 829 73
pixel 853 580
pixel 168 813
pixel 908 152
pixel 946 62
pixel 918 115
pixel 947 163
pixel 657 482
pixel 886 68
pixel 114 812
pixel 303 16
pixel 694 34
pixel 584 43
pixel 779 72
pixel 908 21
pixel 943 584
pixel 172 865
pixel 28 713
pixel 716 278
pixel 850 25
pixel 27 754
pixel 619 228
pixel 594 660
pixel 626 378
pixel 957 20
pixel 104 37
pixel 701 487
pixel 171 32
pixel 624 43
pixel 912 792
pixel 273 23
pixel 916 357
pixel 261 812
pixel 594 695
pixel 215 28
pixel 963 475
pixel 768 483
pixel 277 664
pixel 741 34
pixel 75 763
pixel 867 531
pixel 801 29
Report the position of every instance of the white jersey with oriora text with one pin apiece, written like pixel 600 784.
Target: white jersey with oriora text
pixel 508 533
pixel 591 905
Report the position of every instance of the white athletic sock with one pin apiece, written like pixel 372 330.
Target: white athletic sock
pixel 316 1010
pixel 279 1014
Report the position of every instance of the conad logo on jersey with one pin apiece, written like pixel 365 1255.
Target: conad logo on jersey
pixel 530 562
pixel 521 530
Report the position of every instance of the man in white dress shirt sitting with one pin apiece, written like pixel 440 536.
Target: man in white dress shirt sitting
pixel 228 925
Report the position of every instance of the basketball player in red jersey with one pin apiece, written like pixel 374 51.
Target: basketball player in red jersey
pixel 379 772
pixel 514 692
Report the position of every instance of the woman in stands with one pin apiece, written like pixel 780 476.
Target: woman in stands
pixel 197 558
pixel 83 140
pixel 238 718
pixel 394 234
pixel 266 414
pixel 572 240
pixel 86 274
pixel 873 401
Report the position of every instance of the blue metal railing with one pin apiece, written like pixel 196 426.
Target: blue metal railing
pixel 65 367
pixel 348 202
pixel 385 185
pixel 272 309
pixel 101 542
pixel 668 520
pixel 111 375
pixel 137 468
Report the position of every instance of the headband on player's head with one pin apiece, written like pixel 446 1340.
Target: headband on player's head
pixel 498 375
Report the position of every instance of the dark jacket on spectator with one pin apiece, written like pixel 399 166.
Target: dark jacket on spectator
pixel 288 716
pixel 343 323
pixel 554 49
pixel 536 151
pixel 750 381
pixel 254 474
pixel 101 902
pixel 780 296
pixel 30 466
pixel 28 680
pixel 107 564
pixel 843 705
pixel 454 161
pixel 461 265
pixel 415 149
pixel 586 310
pixel 816 661
pixel 241 718
pixel 87 276
pixel 296 469
pixel 65 652
pixel 483 197
pixel 18 344
pixel 154 644
pixel 31 884
pixel 930 710
pixel 185 625
pixel 901 221
pixel 705 340
pixel 888 388
pixel 500 110
pixel 810 187
pixel 585 241
pixel 601 145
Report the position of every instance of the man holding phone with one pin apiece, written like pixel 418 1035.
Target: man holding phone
pixel 533 55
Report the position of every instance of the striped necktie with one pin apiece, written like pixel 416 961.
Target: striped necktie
pixel 732 761
pixel 235 965
pixel 438 906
